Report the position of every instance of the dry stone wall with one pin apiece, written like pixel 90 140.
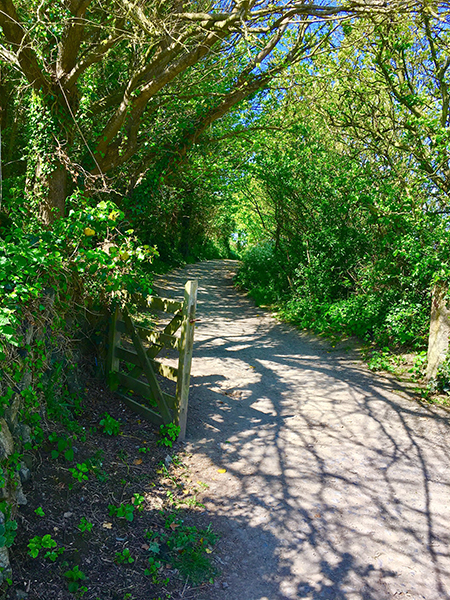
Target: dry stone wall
pixel 46 350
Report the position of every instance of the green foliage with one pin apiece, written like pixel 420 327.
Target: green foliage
pixel 168 434
pixel 63 406
pixel 123 511
pixel 152 569
pixel 380 361
pixel 47 279
pixel 110 425
pixel 124 557
pixel 74 578
pixel 53 554
pixel 138 501
pixel 45 542
pixel 419 365
pixel 85 525
pixel 33 261
pixel 188 547
pixel 349 252
pixel 40 511
pixel 8 528
pixel 80 472
pixel 263 271
pixel 441 382
pixel 64 446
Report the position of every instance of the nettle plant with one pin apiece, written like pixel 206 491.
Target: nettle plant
pixel 74 578
pixel 189 549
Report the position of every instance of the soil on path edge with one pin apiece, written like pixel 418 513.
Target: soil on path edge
pixel 336 482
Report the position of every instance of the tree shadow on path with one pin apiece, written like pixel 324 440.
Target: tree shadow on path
pixel 336 482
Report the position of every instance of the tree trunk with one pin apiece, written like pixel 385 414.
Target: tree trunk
pixel 438 340
pixel 185 234
pixel 52 205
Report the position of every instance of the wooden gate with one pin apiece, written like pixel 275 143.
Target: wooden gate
pixel 157 406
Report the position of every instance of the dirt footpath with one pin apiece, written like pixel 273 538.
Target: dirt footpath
pixel 336 482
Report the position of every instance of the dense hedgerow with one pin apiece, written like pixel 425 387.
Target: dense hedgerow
pixel 389 304
pixel 90 258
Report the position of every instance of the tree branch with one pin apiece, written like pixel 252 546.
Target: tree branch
pixel 17 36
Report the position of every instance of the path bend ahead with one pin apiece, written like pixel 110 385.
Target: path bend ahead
pixel 336 483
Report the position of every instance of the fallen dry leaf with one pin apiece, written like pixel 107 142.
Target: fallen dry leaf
pixel 107 525
pixel 221 470
pixel 138 461
pixel 173 526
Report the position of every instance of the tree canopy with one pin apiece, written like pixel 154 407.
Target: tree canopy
pixel 105 91
pixel 315 133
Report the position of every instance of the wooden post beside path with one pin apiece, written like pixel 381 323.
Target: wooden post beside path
pixel 186 345
pixel 112 362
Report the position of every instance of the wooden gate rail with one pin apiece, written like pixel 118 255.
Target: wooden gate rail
pixel 168 408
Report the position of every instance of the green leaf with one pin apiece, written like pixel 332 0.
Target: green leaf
pixel 69 454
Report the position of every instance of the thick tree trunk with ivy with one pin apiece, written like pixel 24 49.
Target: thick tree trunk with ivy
pixel 52 205
pixel 47 188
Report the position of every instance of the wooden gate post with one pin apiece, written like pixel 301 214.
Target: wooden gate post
pixel 186 345
pixel 112 363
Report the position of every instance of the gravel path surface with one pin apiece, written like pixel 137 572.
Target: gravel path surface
pixel 336 482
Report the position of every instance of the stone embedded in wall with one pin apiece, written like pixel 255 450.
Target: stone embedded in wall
pixel 24 473
pixel 20 497
pixel 27 380
pixel 5 567
pixel 6 440
pixel 438 341
pixel 12 412
pixel 24 433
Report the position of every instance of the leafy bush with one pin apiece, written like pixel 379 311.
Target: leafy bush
pixel 309 298
pixel 93 250
pixel 264 273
